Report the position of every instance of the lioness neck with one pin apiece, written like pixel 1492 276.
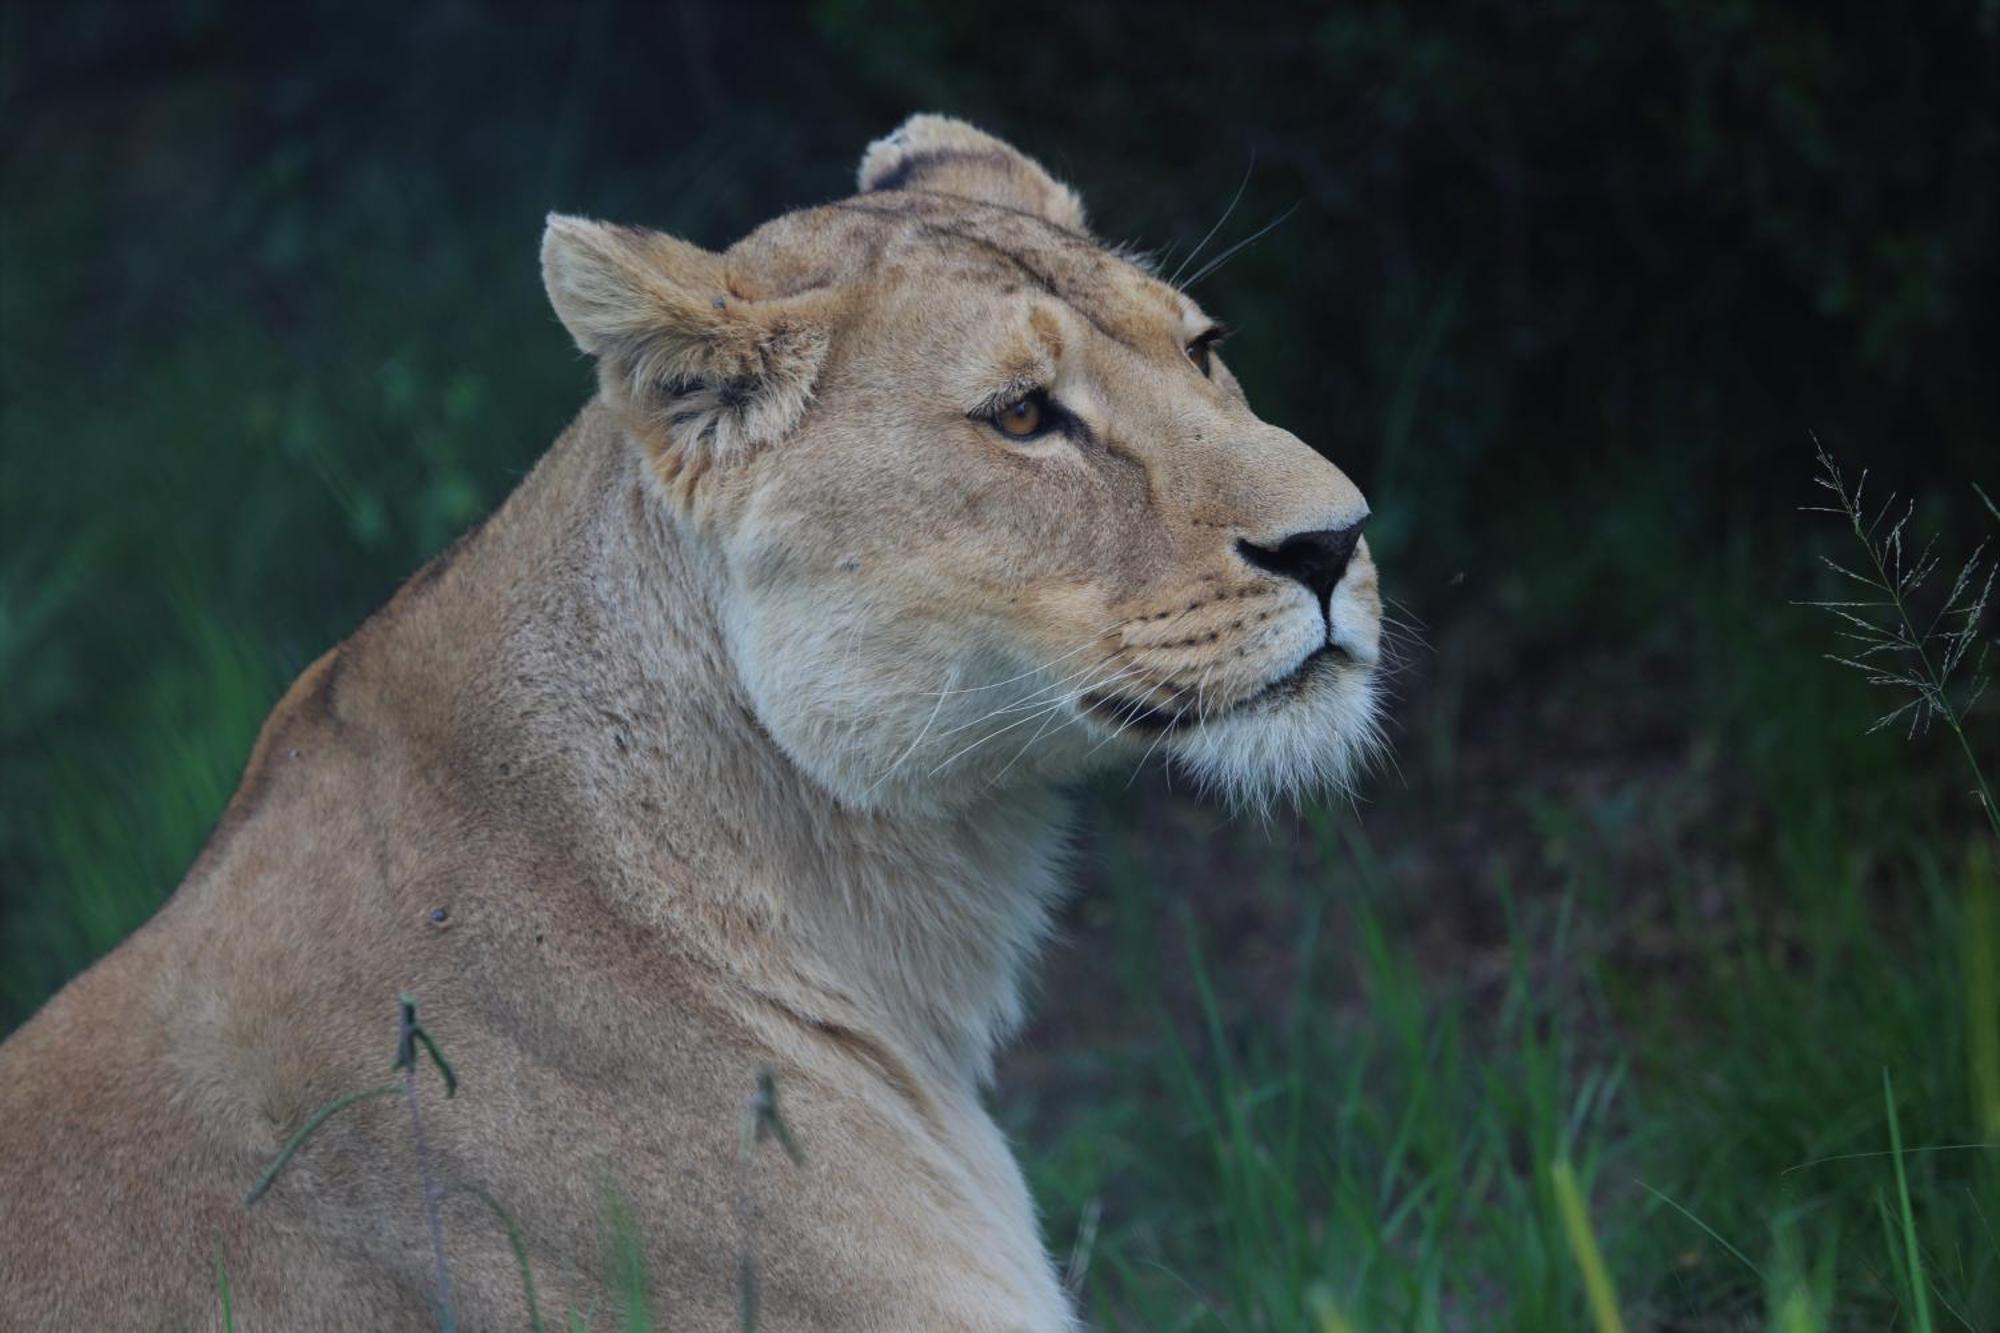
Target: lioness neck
pixel 601 710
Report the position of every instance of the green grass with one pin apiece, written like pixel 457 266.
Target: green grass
pixel 1396 1161
pixel 223 1292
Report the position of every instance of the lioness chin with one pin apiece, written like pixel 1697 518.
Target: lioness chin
pixel 733 740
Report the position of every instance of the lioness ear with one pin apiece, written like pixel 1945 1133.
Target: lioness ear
pixel 947 156
pixel 701 374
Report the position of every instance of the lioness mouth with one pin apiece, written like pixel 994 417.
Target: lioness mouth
pixel 1138 715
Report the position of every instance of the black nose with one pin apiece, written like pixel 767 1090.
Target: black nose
pixel 1316 559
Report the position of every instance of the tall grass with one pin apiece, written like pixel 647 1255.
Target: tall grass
pixel 1933 665
pixel 1325 1166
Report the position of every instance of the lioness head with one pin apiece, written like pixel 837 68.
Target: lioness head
pixel 983 504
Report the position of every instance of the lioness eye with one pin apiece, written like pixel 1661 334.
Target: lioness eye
pixel 1022 417
pixel 1202 350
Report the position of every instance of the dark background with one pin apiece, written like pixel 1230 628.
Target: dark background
pixel 1569 288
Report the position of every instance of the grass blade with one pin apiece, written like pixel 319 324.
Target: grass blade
pixel 1920 1297
pixel 1982 986
pixel 515 1239
pixel 313 1122
pixel 1707 1230
pixel 1326 1312
pixel 1603 1297
pixel 222 1289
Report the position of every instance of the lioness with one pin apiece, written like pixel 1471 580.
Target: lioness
pixel 732 741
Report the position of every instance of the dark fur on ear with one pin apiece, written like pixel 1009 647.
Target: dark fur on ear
pixel 704 375
pixel 947 156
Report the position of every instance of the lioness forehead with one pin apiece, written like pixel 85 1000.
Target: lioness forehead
pixel 930 238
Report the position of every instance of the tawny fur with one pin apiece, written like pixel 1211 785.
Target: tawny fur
pixel 732 740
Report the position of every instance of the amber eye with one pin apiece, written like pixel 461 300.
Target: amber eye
pixel 1022 418
pixel 1202 350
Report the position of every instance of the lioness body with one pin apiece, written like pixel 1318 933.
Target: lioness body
pixel 602 1045
pixel 685 766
